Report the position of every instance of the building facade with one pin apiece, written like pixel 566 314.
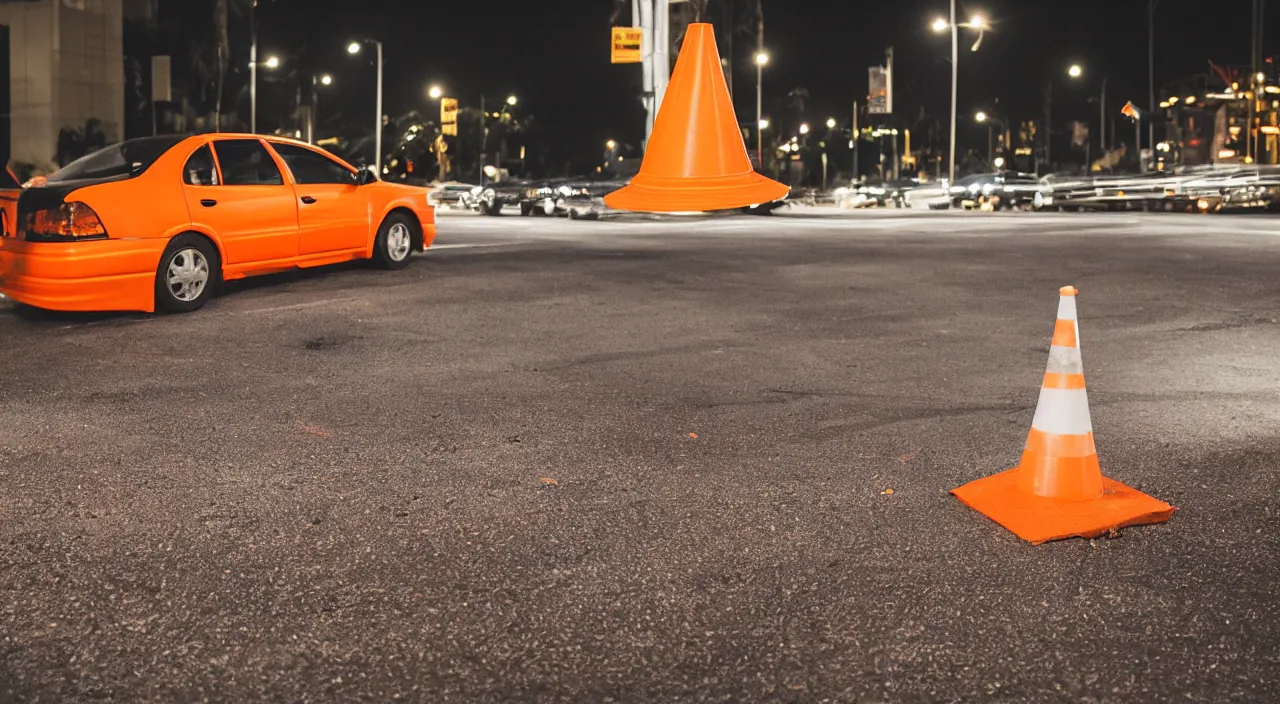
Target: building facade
pixel 66 76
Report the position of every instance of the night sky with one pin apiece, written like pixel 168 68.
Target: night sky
pixel 554 54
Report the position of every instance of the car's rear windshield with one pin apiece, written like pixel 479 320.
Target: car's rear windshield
pixel 128 158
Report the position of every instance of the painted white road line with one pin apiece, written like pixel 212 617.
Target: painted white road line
pixel 299 306
pixel 470 245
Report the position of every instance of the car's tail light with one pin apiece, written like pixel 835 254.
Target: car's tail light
pixel 69 222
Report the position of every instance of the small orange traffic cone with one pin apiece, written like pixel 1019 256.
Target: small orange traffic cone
pixel 1058 490
pixel 696 159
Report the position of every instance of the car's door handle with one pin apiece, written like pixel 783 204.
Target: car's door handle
pixel 308 200
pixel 208 202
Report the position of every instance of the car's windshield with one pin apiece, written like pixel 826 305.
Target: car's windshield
pixel 124 159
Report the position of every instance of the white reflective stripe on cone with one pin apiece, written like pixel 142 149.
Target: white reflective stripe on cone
pixel 1065 360
pixel 1063 412
pixel 1067 308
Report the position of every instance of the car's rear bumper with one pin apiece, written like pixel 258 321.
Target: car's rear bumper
pixel 105 275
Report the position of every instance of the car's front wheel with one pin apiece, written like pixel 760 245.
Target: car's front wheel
pixel 187 275
pixel 394 244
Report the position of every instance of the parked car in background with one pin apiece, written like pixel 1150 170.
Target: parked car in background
pixel 876 192
pixel 452 194
pixel 999 190
pixel 584 200
pixel 1062 191
pixel 966 191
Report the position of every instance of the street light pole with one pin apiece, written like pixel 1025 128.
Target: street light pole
pixel 991 143
pixel 1151 81
pixel 854 137
pixel 377 132
pixel 253 67
pixel 354 48
pixel 1102 120
pixel 1048 126
pixel 759 83
pixel 759 109
pixel 484 137
pixel 955 56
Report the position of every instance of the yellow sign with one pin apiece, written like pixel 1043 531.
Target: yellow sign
pixel 626 45
pixel 449 116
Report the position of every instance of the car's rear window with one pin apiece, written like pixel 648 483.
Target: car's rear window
pixel 128 158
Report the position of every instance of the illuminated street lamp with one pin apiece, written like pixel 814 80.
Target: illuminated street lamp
pixel 979 24
pixel 484 132
pixel 761 59
pixel 272 62
pixel 354 48
pixel 434 92
pixel 1076 71
pixel 989 120
pixel 611 145
pixel 763 123
pixel 804 128
pixel 831 123
pixel 323 79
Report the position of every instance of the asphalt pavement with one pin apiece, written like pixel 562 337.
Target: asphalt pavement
pixel 650 460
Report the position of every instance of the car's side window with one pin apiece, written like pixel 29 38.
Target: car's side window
pixel 200 170
pixel 245 162
pixel 309 167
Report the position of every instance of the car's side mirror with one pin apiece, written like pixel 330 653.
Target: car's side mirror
pixel 367 176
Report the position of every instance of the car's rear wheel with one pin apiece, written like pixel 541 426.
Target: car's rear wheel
pixel 187 275
pixel 394 244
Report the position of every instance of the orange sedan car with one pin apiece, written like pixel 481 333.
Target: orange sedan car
pixel 158 222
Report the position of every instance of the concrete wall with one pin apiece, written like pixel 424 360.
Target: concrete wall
pixel 66 62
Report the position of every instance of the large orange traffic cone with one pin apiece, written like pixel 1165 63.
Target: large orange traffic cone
pixel 696 159
pixel 1058 490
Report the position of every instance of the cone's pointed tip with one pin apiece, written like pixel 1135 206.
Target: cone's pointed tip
pixel 1068 291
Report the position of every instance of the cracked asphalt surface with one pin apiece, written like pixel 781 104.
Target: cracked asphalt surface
pixel 646 461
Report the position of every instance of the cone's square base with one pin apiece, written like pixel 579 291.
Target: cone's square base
pixel 1037 519
pixel 655 194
